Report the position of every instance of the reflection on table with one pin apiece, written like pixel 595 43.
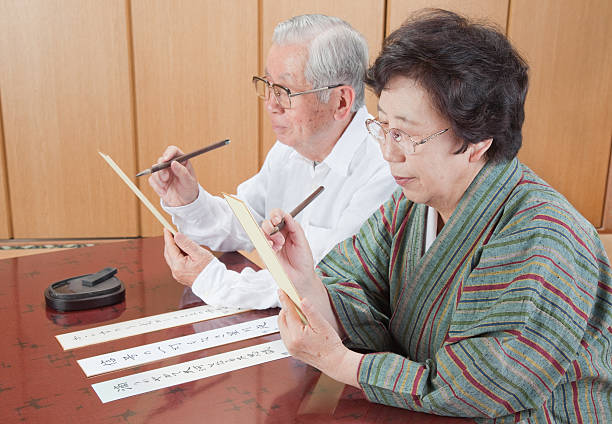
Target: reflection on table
pixel 41 383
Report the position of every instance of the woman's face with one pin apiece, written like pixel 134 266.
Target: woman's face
pixel 433 174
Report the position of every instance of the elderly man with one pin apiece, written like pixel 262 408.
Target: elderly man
pixel 314 95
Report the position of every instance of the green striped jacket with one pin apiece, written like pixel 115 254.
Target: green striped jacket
pixel 507 316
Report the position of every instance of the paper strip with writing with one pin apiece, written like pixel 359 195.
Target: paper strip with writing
pixel 139 355
pixel 185 372
pixel 134 327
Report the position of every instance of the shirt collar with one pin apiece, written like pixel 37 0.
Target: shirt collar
pixel 345 148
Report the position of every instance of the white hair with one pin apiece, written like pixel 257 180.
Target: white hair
pixel 337 52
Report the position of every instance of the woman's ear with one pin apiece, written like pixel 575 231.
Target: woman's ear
pixel 478 150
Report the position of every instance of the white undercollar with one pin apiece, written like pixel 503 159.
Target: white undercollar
pixel 431 229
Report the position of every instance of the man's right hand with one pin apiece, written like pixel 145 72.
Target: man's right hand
pixel 176 185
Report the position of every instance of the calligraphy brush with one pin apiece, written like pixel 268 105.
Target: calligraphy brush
pixel 182 158
pixel 299 208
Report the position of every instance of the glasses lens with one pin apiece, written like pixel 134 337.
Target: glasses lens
pixel 261 88
pixel 405 141
pixel 281 96
pixel 376 130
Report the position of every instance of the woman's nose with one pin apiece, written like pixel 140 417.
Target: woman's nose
pixel 391 151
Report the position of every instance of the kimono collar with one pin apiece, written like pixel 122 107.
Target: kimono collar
pixel 487 191
pixel 441 269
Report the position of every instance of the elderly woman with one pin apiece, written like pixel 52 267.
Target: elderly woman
pixel 476 290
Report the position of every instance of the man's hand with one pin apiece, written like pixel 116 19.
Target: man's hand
pixel 185 258
pixel 176 185
pixel 316 343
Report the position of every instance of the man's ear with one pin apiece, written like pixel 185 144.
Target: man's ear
pixel 343 97
pixel 478 150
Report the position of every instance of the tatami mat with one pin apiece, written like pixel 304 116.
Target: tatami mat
pixel 15 248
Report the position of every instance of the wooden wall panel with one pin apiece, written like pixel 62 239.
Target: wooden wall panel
pixel 5 211
pixel 367 16
pixel 569 105
pixel 193 64
pixel 606 226
pixel 73 72
pixel 65 95
pixel 493 10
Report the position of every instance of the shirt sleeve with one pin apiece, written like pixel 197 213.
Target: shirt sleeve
pixel 521 315
pixel 251 289
pixel 209 220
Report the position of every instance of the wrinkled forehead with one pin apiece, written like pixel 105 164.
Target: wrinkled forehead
pixel 286 63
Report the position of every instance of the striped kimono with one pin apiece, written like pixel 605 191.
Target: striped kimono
pixel 508 315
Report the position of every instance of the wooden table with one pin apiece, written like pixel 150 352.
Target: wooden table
pixel 41 383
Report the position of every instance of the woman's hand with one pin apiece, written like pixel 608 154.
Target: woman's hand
pixel 292 249
pixel 316 343
pixel 294 254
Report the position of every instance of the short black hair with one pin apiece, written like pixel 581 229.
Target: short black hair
pixel 473 75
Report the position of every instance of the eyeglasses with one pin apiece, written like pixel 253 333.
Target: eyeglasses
pixel 282 95
pixel 407 142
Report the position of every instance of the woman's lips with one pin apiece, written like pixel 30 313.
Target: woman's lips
pixel 403 180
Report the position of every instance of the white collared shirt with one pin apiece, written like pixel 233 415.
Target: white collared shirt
pixel 356 180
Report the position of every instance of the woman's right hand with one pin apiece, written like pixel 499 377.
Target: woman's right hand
pixel 292 249
pixel 176 185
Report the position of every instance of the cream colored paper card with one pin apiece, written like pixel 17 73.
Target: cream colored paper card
pixel 144 325
pixel 165 349
pixel 138 193
pixel 185 372
pixel 260 242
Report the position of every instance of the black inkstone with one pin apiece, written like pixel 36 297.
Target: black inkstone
pixel 86 291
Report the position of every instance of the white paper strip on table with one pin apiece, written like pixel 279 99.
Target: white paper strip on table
pixel 144 325
pixel 140 355
pixel 185 372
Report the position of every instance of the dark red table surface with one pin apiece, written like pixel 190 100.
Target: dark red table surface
pixel 41 383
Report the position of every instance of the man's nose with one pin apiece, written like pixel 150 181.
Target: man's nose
pixel 272 104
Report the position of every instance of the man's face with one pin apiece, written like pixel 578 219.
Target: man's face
pixel 304 126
